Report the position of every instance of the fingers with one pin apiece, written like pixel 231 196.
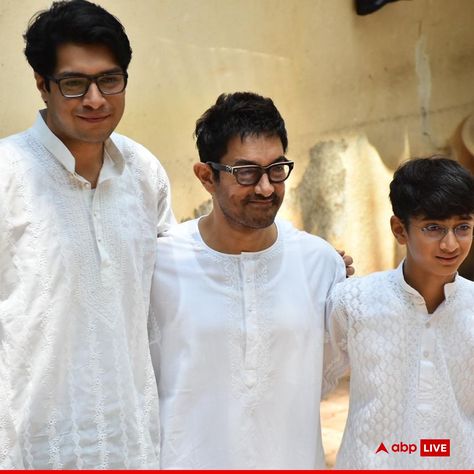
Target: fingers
pixel 349 271
pixel 348 261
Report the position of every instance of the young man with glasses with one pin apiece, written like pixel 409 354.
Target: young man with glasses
pixel 408 334
pixel 80 208
pixel 238 301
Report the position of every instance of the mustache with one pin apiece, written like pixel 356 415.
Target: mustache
pixel 258 197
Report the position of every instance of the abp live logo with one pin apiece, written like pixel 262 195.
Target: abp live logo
pixel 428 447
pixel 435 447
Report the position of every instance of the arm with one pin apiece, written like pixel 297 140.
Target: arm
pixel 166 217
pixel 336 358
pixel 158 301
pixel 154 338
pixel 10 452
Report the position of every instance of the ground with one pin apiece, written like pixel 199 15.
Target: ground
pixel 333 418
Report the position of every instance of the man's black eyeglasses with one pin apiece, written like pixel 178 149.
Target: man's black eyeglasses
pixel 77 86
pixel 249 175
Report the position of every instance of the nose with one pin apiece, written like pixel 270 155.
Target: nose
pixel 264 187
pixel 93 97
pixel 449 243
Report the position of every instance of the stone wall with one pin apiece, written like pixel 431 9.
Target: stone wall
pixel 359 95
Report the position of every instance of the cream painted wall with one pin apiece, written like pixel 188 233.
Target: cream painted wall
pixel 359 94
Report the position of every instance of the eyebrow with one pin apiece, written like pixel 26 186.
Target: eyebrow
pixel 244 162
pixel 62 75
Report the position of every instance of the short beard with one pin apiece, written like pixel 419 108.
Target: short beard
pixel 254 221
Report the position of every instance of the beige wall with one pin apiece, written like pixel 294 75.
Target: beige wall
pixel 358 94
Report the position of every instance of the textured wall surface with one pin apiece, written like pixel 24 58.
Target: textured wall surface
pixel 359 94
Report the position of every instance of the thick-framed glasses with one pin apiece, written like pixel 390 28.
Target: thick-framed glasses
pixel 438 232
pixel 249 175
pixel 72 87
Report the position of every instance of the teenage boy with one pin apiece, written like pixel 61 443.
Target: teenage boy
pixel 408 334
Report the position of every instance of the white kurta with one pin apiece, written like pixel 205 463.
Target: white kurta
pixel 412 373
pixel 77 386
pixel 237 345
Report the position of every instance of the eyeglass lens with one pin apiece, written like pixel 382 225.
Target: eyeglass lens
pixel 277 173
pixel 438 232
pixel 107 84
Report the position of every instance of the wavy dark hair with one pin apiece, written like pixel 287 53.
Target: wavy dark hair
pixel 433 188
pixel 78 22
pixel 238 114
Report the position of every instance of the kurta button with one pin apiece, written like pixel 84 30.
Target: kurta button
pixel 426 353
pixel 250 377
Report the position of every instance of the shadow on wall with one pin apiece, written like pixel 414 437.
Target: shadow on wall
pixel 343 198
pixel 320 193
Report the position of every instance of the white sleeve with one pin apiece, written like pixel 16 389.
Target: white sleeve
pixel 166 217
pixel 154 334
pixel 10 452
pixel 336 358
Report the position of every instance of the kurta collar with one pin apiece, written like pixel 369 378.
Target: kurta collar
pixel 449 288
pixel 114 162
pixel 242 255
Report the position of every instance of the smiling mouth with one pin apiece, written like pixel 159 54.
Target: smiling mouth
pixel 262 201
pixel 448 259
pixel 94 119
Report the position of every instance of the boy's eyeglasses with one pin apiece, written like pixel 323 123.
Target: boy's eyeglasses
pixel 438 232
pixel 249 175
pixel 73 87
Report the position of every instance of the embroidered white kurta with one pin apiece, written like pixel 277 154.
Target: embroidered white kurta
pixel 77 385
pixel 412 373
pixel 237 345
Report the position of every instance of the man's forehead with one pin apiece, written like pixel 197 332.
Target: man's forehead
pixel 85 56
pixel 455 217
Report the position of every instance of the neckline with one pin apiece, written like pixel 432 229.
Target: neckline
pixel 274 246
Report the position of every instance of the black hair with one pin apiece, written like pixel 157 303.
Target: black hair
pixel 78 22
pixel 239 114
pixel 433 188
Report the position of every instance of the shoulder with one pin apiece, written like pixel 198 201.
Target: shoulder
pixel 465 288
pixel 312 255
pixel 464 282
pixel 141 161
pixel 176 249
pixel 134 152
pixel 16 156
pixel 364 288
pixel 126 145
pixel 181 234
pixel 13 144
pixel 303 240
pixel 311 248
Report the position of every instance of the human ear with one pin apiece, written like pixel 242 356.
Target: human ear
pixel 204 173
pixel 398 230
pixel 41 86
